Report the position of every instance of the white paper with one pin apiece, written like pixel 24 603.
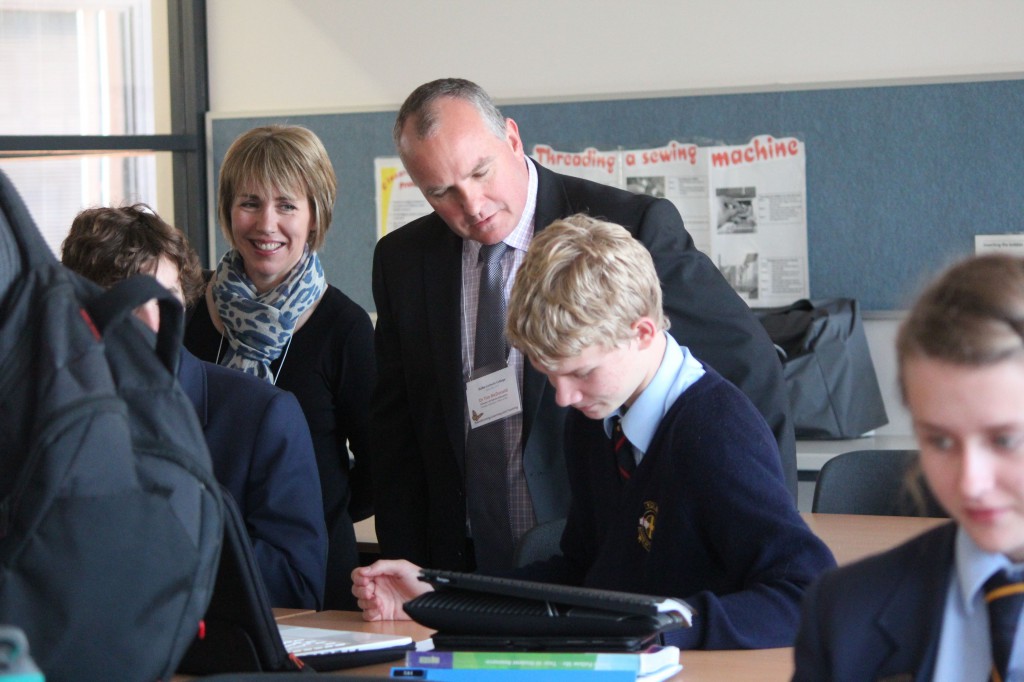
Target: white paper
pixel 493 397
pixel 745 206
pixel 1012 244
pixel 758 207
pixel 590 164
pixel 677 172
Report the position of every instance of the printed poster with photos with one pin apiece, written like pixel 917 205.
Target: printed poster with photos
pixel 744 205
pixel 758 209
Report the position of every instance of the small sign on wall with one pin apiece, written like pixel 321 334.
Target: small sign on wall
pixel 999 243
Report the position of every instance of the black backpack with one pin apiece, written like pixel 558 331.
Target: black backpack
pixel 110 516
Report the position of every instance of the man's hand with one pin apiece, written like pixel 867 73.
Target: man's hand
pixel 384 586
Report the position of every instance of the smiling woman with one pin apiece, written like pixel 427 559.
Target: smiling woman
pixel 269 311
pixel 271 231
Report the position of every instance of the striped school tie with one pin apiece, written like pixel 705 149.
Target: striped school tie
pixel 1004 597
pixel 623 450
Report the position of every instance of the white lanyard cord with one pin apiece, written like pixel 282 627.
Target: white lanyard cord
pixel 284 355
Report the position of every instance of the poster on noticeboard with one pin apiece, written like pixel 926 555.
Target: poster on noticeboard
pixel 743 205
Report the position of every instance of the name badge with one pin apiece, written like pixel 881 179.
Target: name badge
pixel 493 396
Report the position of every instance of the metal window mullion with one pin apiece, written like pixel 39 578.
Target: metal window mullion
pixel 34 145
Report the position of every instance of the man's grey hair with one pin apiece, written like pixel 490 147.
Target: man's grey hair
pixel 421 105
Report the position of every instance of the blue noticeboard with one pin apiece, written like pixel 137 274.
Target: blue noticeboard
pixel 899 177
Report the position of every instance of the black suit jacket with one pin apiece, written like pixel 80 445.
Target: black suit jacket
pixel 417 409
pixel 880 618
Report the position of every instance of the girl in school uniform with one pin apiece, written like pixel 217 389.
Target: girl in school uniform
pixel 921 611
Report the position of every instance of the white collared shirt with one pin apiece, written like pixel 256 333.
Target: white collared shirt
pixel 964 645
pixel 678 370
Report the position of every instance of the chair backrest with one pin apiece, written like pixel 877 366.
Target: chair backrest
pixel 540 542
pixel 870 482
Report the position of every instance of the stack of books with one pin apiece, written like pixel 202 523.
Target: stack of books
pixel 652 665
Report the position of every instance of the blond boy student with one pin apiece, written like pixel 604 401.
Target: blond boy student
pixel 689 499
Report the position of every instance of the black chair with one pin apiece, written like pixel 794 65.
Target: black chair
pixel 872 482
pixel 540 542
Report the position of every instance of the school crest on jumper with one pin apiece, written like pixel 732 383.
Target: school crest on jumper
pixel 645 527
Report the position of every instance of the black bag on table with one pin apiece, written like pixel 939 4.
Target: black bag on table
pixel 110 516
pixel 830 378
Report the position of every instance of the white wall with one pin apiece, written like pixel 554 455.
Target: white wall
pixel 276 56
pixel 285 55
pixel 880 329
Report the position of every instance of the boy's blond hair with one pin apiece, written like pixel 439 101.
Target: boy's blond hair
pixel 584 282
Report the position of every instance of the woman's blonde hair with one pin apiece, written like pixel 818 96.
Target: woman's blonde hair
pixel 279 157
pixel 583 282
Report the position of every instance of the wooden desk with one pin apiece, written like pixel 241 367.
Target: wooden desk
pixel 850 537
pixel 286 614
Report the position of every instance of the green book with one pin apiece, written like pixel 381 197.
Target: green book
pixel 642 662
pixel 513 675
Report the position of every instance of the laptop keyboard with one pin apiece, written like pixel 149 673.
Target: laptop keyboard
pixel 302 646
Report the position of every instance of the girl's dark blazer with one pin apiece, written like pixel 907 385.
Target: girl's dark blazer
pixel 879 618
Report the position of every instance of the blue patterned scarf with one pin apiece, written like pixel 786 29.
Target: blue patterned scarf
pixel 259 326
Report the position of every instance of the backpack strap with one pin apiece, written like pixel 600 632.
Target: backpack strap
pixel 124 297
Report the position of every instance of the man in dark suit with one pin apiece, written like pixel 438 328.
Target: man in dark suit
pixel 471 166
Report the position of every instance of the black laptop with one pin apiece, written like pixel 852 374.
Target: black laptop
pixel 472 611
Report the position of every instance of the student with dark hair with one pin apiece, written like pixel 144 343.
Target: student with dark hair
pixel 258 438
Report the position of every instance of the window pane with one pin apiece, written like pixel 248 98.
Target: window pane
pixel 76 68
pixel 56 188
pixel 83 68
